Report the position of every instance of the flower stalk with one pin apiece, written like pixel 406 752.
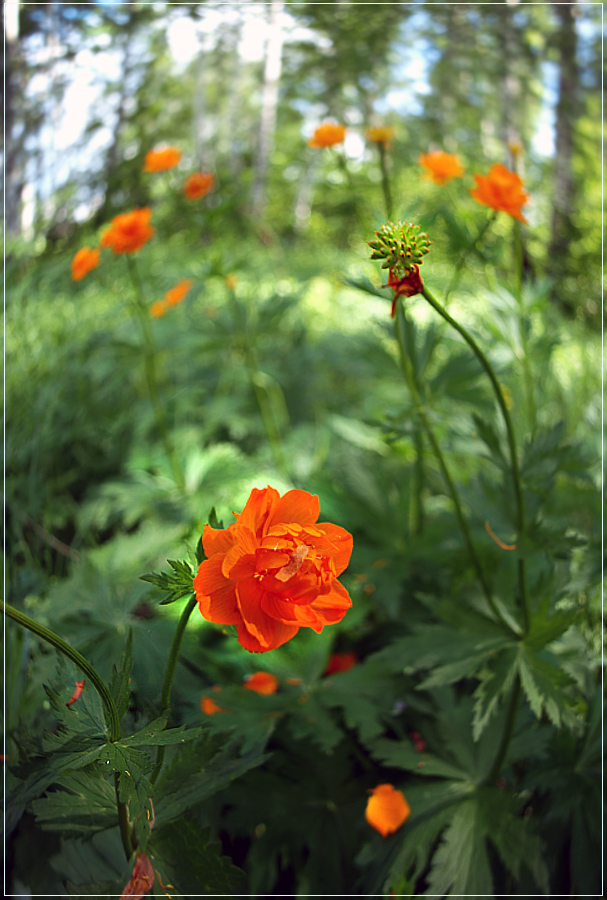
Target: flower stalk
pixel 516 477
pixel 169 675
pixel 451 488
pixel 111 712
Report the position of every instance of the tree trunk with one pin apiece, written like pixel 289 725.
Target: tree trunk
pixel 566 118
pixel 13 171
pixel 269 104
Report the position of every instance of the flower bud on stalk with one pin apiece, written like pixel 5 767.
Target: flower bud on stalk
pixel 402 246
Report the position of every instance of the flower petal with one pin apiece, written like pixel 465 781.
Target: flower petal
pixel 333 606
pixel 215 594
pixel 216 540
pixel 258 508
pixel 340 544
pixel 295 506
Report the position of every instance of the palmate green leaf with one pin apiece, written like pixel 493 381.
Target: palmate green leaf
pixel 436 645
pixel 365 694
pixel 86 716
pixel 495 681
pixel 461 863
pixel 317 724
pixel 487 433
pixel 193 866
pixel 86 805
pixel 402 755
pixel 544 630
pixel 194 778
pixel 94 865
pixel 156 735
pixel 134 786
pixel 546 687
pixel 119 685
pixel 174 585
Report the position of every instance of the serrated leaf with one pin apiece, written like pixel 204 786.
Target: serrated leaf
pixel 119 685
pixel 177 794
pixel 176 584
pixel 492 441
pixel 461 863
pixel 194 866
pixel 365 694
pixel 315 723
pixel 402 755
pixel 544 686
pixel 543 631
pixel 86 805
pixel 495 682
pixel 156 735
pixel 134 786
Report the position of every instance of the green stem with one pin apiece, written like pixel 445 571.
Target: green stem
pixel 410 378
pixel 464 256
pixel 516 477
pixel 169 674
pixel 150 372
pixel 511 715
pixel 385 178
pixel 111 713
pixel 417 506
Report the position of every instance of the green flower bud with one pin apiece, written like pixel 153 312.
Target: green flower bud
pixel 402 245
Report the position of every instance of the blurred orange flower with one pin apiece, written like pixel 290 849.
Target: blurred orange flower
pixel 441 167
pixel 198 185
pixel 142 879
pixel 501 190
pixel 340 662
pixel 173 297
pixel 386 809
pixel 129 231
pixel 161 160
pixel 262 683
pixel 84 260
pixel 274 570
pixel 327 135
pixel 382 135
pixel 208 706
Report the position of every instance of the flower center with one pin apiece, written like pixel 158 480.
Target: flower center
pixel 294 565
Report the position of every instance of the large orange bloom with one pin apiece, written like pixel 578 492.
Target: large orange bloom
pixel 327 135
pixel 129 231
pixel 198 185
pixel 161 160
pixel 387 809
pixel 502 190
pixel 441 167
pixel 274 570
pixel 84 260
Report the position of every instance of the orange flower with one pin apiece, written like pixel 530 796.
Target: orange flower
pixel 142 879
pixel 441 167
pixel 501 190
pixel 129 231
pixel 410 284
pixel 262 683
pixel 198 185
pixel 386 809
pixel 274 570
pixel 208 706
pixel 161 160
pixel 327 135
pixel 173 297
pixel 340 662
pixel 84 260
pixel 380 135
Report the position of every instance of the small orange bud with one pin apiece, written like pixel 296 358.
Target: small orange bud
pixel 142 879
pixel 340 662
pixel 84 261
pixel 262 683
pixel 386 809
pixel 77 692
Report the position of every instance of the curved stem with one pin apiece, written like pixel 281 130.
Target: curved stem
pixel 150 372
pixel 507 733
pixel 111 712
pixel 169 674
pixel 516 477
pixel 410 378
